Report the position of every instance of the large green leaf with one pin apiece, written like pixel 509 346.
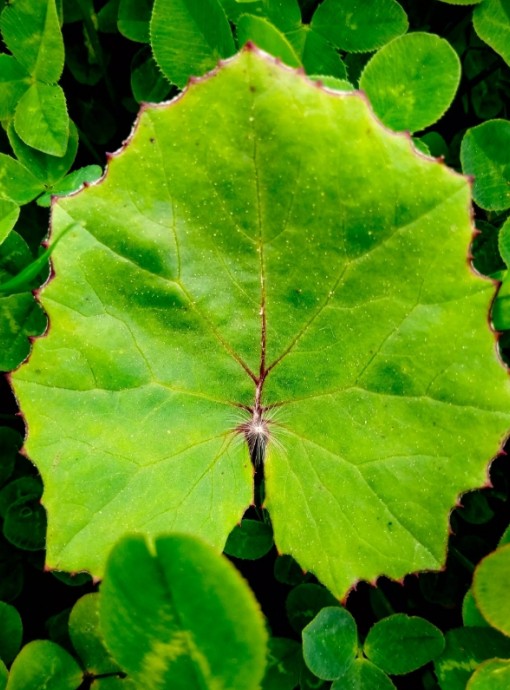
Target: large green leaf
pixel 264 247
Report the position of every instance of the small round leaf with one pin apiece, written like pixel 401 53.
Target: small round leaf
pixel 484 154
pixel 14 81
pixel 25 524
pixel 465 648
pixel 436 144
pixel 490 588
pixel 16 182
pixel 48 169
pixel 43 664
pixel 251 540
pixel 267 37
pixel 359 27
pixel 471 616
pixel 487 257
pixel 32 33
pixel 305 601
pixel 286 570
pixel 400 644
pixel 41 119
pixel 363 675
pixel 491 675
pixel 284 662
pixel 147 83
pixel 330 642
pixel 412 81
pixel 182 616
pixel 26 487
pixel 188 38
pixel 87 638
pixel 491 21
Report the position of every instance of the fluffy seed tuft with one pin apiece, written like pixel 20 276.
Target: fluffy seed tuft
pixel 256 432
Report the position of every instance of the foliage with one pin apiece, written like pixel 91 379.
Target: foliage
pixel 369 491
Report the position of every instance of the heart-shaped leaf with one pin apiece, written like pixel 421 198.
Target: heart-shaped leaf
pixel 465 649
pixel 491 675
pixel 163 611
pixel 492 24
pixel 330 642
pixel 32 33
pixel 265 261
pixel 400 644
pixel 356 27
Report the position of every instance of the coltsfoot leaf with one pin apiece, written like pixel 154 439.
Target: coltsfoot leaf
pixel 265 259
